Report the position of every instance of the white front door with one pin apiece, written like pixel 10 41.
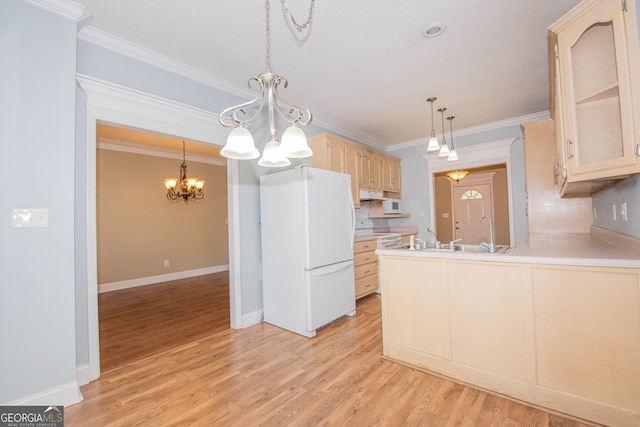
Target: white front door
pixel 470 203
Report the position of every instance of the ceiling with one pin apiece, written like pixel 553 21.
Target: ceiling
pixel 363 68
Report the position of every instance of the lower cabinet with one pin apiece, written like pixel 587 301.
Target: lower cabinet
pixel 565 338
pixel 365 267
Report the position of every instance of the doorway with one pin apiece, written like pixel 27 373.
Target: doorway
pixel 162 265
pixel 478 158
pixel 113 104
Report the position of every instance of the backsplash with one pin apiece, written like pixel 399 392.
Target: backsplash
pixel 626 192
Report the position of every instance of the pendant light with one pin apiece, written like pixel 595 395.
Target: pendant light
pixel 444 149
pixel 433 140
pixel 240 144
pixel 453 156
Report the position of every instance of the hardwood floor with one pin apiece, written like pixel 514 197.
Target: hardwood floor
pixel 265 376
pixel 139 322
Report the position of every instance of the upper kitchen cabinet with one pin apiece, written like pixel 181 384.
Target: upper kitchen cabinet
pixel 369 169
pixel 595 81
pixel 329 152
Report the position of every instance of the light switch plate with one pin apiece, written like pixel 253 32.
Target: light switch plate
pixel 30 218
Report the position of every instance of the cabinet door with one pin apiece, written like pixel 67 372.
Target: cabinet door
pixel 596 89
pixel 353 168
pixel 376 171
pixel 337 155
pixel 364 161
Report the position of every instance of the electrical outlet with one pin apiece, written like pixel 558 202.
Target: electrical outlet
pixel 623 212
pixel 166 263
pixel 615 215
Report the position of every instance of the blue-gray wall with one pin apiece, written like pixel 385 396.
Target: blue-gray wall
pixel 37 111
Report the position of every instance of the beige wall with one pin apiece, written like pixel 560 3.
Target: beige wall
pixel 138 228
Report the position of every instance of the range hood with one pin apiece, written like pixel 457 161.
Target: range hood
pixel 371 195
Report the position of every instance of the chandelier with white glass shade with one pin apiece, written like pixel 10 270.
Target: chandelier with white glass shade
pixel 240 143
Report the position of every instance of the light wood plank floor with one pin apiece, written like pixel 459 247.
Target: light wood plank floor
pixel 265 376
pixel 139 322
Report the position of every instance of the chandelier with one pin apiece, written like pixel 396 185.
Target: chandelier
pixel 189 188
pixel 240 144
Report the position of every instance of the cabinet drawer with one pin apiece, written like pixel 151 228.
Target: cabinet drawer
pixel 366 285
pixel 364 258
pixel 366 245
pixel 366 270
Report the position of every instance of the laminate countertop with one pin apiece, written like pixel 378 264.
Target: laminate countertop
pixel 559 249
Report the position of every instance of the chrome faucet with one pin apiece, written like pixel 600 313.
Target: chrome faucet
pixel 452 244
pixel 420 244
pixel 435 239
pixel 491 245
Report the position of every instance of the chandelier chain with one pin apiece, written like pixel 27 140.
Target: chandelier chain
pixel 268 33
pixel 299 27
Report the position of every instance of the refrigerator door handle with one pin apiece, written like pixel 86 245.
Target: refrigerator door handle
pixel 353 218
pixel 331 268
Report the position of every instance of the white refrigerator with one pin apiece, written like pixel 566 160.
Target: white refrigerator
pixel 307 230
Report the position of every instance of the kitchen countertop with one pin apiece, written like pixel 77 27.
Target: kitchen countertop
pixel 560 249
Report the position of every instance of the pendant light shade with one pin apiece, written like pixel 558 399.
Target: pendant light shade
pixel 294 143
pixel 273 156
pixel 240 145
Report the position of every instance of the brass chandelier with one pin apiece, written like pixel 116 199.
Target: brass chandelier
pixel 240 144
pixel 188 188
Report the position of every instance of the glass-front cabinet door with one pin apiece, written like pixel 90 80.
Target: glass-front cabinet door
pixel 595 81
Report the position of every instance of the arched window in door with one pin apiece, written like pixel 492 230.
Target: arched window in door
pixel 471 195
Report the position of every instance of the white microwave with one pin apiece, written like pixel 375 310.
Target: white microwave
pixel 392 206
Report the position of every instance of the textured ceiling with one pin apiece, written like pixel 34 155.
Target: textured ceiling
pixel 363 69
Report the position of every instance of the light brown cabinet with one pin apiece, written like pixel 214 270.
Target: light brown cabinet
pixel 365 267
pixel 595 97
pixel 369 169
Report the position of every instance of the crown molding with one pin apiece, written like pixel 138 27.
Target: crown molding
pixel 100 38
pixel 65 8
pixel 132 50
pixel 144 150
pixel 476 129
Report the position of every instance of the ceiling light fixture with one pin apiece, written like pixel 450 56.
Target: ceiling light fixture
pixel 453 156
pixel 444 149
pixel 457 175
pixel 434 145
pixel 434 30
pixel 190 188
pixel 240 144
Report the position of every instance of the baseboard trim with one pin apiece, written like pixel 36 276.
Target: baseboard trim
pixel 83 374
pixel 143 281
pixel 62 395
pixel 252 318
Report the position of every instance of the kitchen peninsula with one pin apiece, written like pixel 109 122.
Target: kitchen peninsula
pixel 554 323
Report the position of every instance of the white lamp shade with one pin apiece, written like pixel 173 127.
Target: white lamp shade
pixel 453 156
pixel 444 150
pixel 433 144
pixel 272 156
pixel 240 145
pixel 294 143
